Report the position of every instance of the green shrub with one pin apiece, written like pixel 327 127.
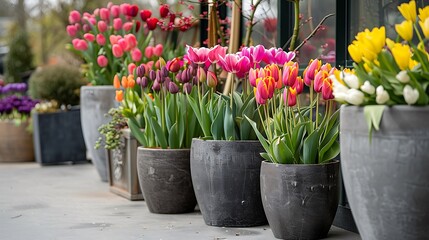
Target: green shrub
pixel 19 59
pixel 56 82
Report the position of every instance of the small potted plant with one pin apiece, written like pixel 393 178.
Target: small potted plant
pixel 385 134
pixel 121 148
pixel 300 176
pixel 16 141
pixel 56 121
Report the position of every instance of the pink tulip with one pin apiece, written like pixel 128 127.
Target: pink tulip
pixel 105 14
pixel 215 52
pixel 102 61
pixel 278 56
pixel 92 21
pixel 259 99
pixel 117 24
pixel 234 63
pixel 265 87
pixel 157 51
pixel 327 91
pixel 211 79
pixel 290 73
pixel 198 55
pixel 127 26
pixel 71 30
pixel 86 28
pixel 102 26
pixel 74 17
pixel 131 40
pixel 254 74
pixel 115 11
pixel 311 71
pixel 299 85
pixel 131 68
pixel 255 54
pixel 80 44
pixel 125 8
pixel 319 79
pixel 136 55
pixel 148 52
pixel 123 44
pixel 89 37
pixel 114 39
pixel 96 12
pixel 291 94
pixel 117 50
pixel 101 40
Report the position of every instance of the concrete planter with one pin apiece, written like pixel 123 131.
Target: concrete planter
pixel 122 166
pixel 386 178
pixel 225 175
pixel 16 142
pixel 95 102
pixel 58 137
pixel 165 179
pixel 300 200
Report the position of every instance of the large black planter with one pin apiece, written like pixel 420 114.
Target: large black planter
pixel 95 102
pixel 300 200
pixel 386 176
pixel 165 180
pixel 58 137
pixel 225 175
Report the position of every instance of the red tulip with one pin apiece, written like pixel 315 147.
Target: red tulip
pixel 152 23
pixel 145 14
pixel 266 87
pixel 327 92
pixel 102 61
pixel 174 65
pixel 71 30
pixel 164 10
pixel 299 85
pixel 136 55
pixel 291 96
pixel 133 10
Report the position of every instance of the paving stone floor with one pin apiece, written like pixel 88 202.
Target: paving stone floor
pixel 70 202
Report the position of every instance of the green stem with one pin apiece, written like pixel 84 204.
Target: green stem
pixel 251 24
pixel 317 110
pixel 295 26
pixel 311 104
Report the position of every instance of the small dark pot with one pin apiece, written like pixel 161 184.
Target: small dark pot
pixel 225 175
pixel 300 200
pixel 165 180
pixel 386 178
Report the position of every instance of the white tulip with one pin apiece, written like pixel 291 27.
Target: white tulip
pixel 368 88
pixel 382 95
pixel 354 96
pixel 351 80
pixel 338 89
pixel 410 95
pixel 403 77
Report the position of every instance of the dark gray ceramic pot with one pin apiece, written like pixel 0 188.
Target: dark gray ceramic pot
pixel 95 102
pixel 386 177
pixel 300 200
pixel 165 180
pixel 225 175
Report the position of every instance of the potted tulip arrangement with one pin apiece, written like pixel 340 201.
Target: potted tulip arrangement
pixel 16 142
pixel 384 136
pixel 300 146
pixel 164 124
pixel 108 39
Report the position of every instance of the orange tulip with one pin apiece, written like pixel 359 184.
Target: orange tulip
pixel 124 82
pixel 116 82
pixel 119 95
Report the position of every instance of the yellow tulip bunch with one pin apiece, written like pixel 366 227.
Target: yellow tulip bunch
pixel 388 72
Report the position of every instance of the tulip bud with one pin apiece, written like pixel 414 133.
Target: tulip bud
pixel 101 40
pixel 173 88
pixel 115 11
pixel 164 10
pixel 174 65
pixel 351 80
pixel 164 72
pixel 152 75
pixel 136 55
pixel 156 86
pixel 410 95
pixel 382 95
pixel 157 50
pixel 119 95
pixel 145 14
pixel 367 88
pixel 127 26
pixel 117 24
pixel 354 97
pixel 141 70
pixel 187 88
pixel 151 23
pixel 403 77
pixel 102 61
pixel 104 14
pixel 144 81
pixel 117 51
pixel 139 81
pixel 211 79
pixel 131 68
pixel 201 74
pixel 116 82
pixel 74 17
pixel 71 30
pixel 89 37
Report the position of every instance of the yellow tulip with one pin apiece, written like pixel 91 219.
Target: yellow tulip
pixel 405 30
pixel 402 55
pixel 378 36
pixel 368 69
pixel 412 64
pixel 355 53
pixel 390 43
pixel 423 13
pixel 425 27
pixel 408 10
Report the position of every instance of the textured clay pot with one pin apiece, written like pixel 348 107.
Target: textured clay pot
pixel 95 102
pixel 300 200
pixel 225 175
pixel 16 142
pixel 386 176
pixel 165 180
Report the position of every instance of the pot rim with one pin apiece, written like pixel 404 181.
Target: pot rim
pixel 98 87
pixel 161 149
pixel 336 161
pixel 388 107
pixel 236 141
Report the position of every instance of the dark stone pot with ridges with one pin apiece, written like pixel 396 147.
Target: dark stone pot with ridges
pixel 225 175
pixel 165 180
pixel 386 176
pixel 300 200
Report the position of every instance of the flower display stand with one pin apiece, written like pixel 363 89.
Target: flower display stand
pixel 122 168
